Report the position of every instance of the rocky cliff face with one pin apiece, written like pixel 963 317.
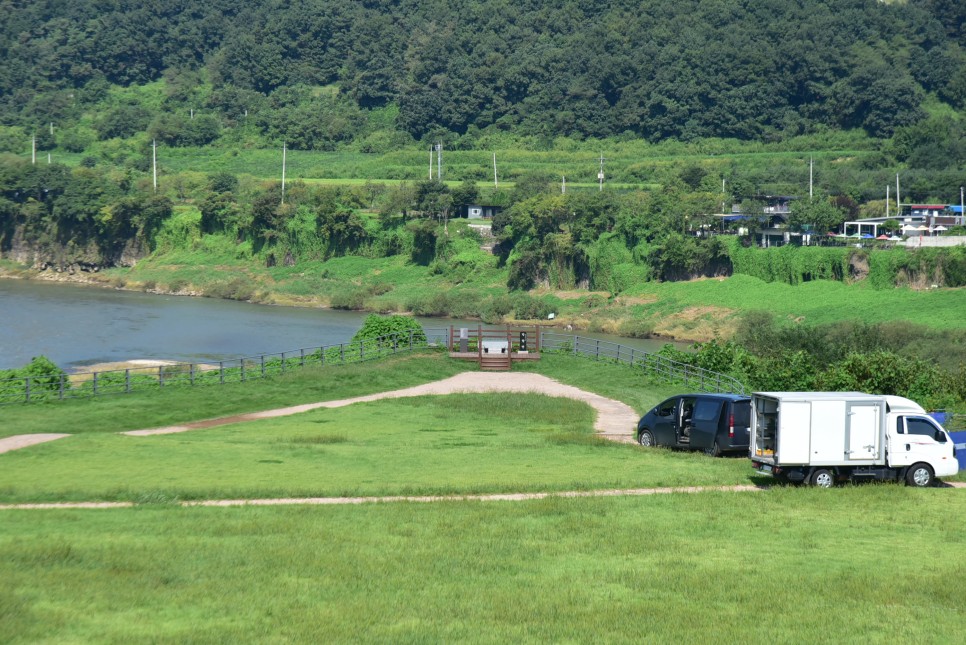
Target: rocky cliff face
pixel 46 254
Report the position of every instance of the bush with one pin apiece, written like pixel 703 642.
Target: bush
pixel 527 307
pixel 376 326
pixel 353 300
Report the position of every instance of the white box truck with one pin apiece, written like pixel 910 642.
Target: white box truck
pixel 823 437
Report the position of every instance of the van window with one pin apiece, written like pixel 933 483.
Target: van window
pixel 667 408
pixel 707 410
pixel 742 412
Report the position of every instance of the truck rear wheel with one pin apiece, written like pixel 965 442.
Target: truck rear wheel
pixel 919 475
pixel 822 478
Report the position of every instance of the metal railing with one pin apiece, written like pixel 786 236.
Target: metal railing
pixel 30 389
pixel 659 367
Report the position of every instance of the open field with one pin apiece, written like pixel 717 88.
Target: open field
pixel 156 408
pixel 635 569
pixel 630 164
pixel 787 565
pixel 816 302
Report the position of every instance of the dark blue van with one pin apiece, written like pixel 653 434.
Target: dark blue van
pixel 714 423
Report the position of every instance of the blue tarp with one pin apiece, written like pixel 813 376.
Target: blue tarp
pixel 959 438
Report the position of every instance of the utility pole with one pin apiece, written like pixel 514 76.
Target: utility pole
pixel 811 166
pixel 887 201
pixel 284 150
pixel 496 184
pixel 431 163
pixel 600 173
pixel 439 161
pixel 563 184
pixel 51 128
pixel 48 158
pixel 962 212
pixel 898 201
pixel 154 162
pixel 33 150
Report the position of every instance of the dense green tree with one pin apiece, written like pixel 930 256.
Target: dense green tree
pixel 818 215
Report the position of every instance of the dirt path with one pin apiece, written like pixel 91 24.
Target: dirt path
pixel 23 440
pixel 415 499
pixel 615 420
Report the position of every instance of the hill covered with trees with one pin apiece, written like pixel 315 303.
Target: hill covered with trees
pixel 393 71
pixel 687 98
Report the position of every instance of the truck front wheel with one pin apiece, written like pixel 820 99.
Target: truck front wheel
pixel 919 475
pixel 822 478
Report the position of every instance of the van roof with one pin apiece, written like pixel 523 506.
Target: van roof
pixel 726 396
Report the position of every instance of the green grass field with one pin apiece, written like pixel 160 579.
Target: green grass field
pixel 789 565
pixel 782 565
pixel 813 303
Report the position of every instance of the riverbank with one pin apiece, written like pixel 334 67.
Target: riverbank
pixel 568 310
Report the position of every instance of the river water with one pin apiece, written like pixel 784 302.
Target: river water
pixel 76 325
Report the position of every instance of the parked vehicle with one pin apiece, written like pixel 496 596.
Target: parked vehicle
pixel 825 437
pixel 715 423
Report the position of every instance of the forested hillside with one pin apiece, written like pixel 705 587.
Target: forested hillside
pixel 698 104
pixel 755 69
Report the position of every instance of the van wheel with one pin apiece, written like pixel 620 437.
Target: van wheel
pixel 920 475
pixel 714 450
pixel 646 439
pixel 822 478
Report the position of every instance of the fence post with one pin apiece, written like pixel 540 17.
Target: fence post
pixel 302 357
pixel 221 372
pixel 632 357
pixel 283 362
pixel 410 340
pixel 597 351
pixel 191 373
pixel 322 356
pixel 27 388
pixel 263 364
pixel 242 362
pixel 61 388
pixel 95 383
pixel 127 381
pixel 362 350
pixel 342 352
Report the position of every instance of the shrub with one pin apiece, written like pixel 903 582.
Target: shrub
pixel 376 326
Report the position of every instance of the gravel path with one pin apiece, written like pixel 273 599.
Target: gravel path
pixel 615 420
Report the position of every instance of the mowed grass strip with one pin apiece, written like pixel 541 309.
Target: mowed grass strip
pixel 787 565
pixel 456 444
pixel 173 405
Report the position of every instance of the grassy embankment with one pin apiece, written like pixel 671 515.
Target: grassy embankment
pixel 695 310
pixel 760 565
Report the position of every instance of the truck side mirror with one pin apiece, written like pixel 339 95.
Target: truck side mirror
pixel 940 436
